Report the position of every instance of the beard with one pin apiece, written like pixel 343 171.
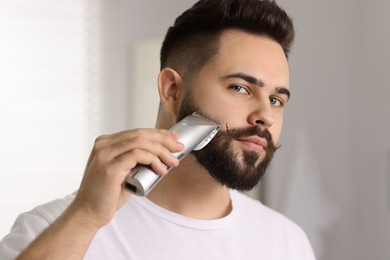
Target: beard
pixel 238 170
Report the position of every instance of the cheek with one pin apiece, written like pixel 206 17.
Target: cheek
pixel 217 105
pixel 227 115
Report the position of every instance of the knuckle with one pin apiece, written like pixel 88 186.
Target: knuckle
pixel 100 138
pixel 164 131
pixel 155 161
pixel 137 131
pixel 137 152
pixel 137 139
pixel 96 148
pixel 99 144
pixel 163 151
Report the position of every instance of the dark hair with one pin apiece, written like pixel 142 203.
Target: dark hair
pixel 194 37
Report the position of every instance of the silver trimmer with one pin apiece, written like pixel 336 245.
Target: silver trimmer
pixel 195 130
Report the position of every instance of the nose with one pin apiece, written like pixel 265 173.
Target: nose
pixel 262 115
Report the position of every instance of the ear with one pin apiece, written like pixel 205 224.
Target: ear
pixel 170 87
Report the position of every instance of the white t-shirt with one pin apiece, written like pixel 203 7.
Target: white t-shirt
pixel 143 230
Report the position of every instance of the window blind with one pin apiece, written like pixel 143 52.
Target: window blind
pixel 50 99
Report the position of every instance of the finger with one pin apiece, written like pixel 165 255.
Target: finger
pixel 158 135
pixel 160 163
pixel 159 149
pixel 128 161
pixel 156 141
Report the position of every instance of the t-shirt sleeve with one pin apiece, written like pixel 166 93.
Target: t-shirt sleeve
pixel 26 228
pixel 29 225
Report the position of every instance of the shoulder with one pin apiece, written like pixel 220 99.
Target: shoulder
pixel 44 214
pixel 262 216
pixel 50 211
pixel 280 234
pixel 29 225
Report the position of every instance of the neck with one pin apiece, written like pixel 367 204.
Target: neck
pixel 190 191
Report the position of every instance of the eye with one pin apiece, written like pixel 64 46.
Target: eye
pixel 276 102
pixel 239 89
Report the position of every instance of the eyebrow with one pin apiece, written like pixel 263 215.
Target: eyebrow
pixel 250 79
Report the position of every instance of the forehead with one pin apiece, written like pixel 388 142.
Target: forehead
pixel 260 56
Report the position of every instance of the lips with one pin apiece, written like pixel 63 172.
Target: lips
pixel 255 143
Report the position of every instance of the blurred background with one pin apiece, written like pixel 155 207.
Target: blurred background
pixel 72 70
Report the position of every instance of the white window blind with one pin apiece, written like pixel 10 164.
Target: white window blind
pixel 49 100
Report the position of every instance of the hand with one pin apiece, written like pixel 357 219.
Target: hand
pixel 101 191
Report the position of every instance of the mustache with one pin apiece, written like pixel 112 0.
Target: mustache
pixel 236 133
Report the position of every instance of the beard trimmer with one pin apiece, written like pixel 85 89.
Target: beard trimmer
pixel 195 131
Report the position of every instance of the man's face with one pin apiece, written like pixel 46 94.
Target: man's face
pixel 245 88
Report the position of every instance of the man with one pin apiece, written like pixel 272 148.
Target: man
pixel 226 59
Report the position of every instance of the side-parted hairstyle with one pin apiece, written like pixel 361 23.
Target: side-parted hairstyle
pixel 194 38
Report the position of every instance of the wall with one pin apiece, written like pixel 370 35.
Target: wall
pixel 330 175
pixel 127 23
pixel 340 81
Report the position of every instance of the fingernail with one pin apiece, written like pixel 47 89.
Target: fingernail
pixel 174 135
